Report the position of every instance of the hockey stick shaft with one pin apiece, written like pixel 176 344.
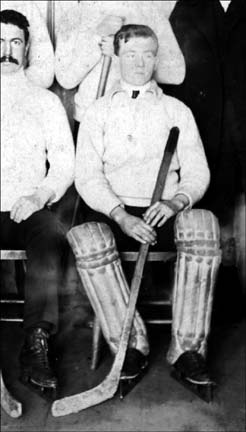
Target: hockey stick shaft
pixel 106 64
pixel 144 248
pixel 107 60
pixel 109 386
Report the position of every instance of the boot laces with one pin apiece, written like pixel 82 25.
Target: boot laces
pixel 40 349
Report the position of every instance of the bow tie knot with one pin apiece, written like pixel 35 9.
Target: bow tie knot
pixel 135 94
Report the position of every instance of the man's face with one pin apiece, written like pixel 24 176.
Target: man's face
pixel 138 60
pixel 13 48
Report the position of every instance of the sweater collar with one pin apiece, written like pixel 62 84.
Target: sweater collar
pixel 150 88
pixel 13 88
pixel 14 79
pixel 225 4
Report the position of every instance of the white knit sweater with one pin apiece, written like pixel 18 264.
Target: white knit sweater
pixel 34 129
pixel 120 146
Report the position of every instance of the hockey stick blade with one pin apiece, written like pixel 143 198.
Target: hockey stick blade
pixel 9 404
pixel 109 386
pixel 107 389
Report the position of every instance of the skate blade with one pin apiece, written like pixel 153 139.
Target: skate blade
pixel 203 391
pixel 126 385
pixel 47 393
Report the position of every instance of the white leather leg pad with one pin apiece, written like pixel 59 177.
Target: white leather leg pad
pixel 198 260
pixel 100 270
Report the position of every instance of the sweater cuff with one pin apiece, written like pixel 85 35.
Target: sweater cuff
pixel 119 205
pixel 111 204
pixel 190 204
pixel 45 195
pixel 59 191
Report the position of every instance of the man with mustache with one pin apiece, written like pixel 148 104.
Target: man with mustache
pixel 8 61
pixel 40 57
pixel 37 167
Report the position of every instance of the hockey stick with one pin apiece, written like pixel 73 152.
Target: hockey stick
pixel 9 404
pixel 107 60
pixel 106 389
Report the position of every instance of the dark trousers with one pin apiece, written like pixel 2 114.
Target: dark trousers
pixel 165 234
pixel 43 238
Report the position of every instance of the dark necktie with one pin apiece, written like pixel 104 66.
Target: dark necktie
pixel 135 94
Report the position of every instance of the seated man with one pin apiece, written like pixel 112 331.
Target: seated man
pixel 119 151
pixel 37 166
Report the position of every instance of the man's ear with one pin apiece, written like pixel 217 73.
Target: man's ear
pixel 27 48
pixel 26 55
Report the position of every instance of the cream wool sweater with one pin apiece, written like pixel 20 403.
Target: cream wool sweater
pixel 120 146
pixel 78 55
pixel 34 129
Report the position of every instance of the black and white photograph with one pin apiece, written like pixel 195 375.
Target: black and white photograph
pixel 123 214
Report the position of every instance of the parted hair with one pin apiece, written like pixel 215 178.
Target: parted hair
pixel 9 16
pixel 130 31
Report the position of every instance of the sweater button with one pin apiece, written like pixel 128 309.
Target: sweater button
pixel 129 137
pixel 202 94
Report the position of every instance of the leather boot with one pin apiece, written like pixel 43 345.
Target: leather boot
pixel 192 367
pixel 34 359
pixel 135 362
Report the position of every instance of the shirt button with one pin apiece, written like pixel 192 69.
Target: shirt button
pixel 202 94
pixel 129 137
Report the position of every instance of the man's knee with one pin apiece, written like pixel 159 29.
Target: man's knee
pixel 45 225
pixel 94 243
pixel 46 241
pixel 197 232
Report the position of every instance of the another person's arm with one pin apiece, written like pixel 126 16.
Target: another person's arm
pixel 60 149
pixel 41 60
pixel 171 67
pixel 79 47
pixel 60 155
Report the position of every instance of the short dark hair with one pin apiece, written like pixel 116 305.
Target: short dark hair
pixel 9 16
pixel 129 31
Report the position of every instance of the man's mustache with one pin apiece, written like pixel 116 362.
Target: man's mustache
pixel 9 59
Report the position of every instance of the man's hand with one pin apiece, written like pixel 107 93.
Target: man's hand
pixel 25 206
pixel 134 226
pixel 158 214
pixel 161 211
pixel 107 45
pixel 109 25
